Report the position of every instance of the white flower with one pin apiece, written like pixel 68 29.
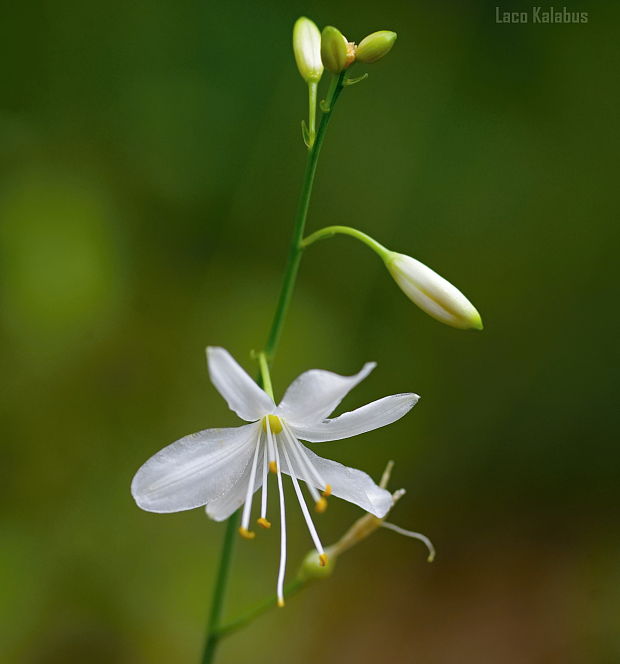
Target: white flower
pixel 431 292
pixel 223 468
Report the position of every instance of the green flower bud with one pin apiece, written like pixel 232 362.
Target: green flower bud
pixel 334 50
pixel 375 46
pixel 307 49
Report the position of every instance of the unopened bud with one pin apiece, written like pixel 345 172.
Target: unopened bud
pixel 432 293
pixel 335 50
pixel 307 49
pixel 375 46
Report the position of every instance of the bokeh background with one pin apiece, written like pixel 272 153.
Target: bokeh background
pixel 149 168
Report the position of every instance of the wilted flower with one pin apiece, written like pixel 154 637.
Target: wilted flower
pixel 432 293
pixel 223 468
pixel 360 530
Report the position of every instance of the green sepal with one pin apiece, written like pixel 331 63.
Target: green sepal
pixel 357 79
pixel 305 134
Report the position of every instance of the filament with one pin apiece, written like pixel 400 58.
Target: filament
pixel 245 519
pixel 306 513
pixel 282 568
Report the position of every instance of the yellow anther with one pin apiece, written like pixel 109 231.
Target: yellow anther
pixel 274 423
pixel 248 534
pixel 273 467
pixel 280 602
pixel 328 490
pixel 323 559
pixel 263 522
pixel 321 505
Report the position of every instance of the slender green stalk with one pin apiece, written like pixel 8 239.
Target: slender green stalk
pixel 312 91
pixel 266 357
pixel 271 602
pixel 219 591
pixel 265 375
pixel 295 251
pixel 330 231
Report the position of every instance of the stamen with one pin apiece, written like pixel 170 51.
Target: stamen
pixel 321 505
pixel 282 568
pixel 304 507
pixel 323 559
pixel 328 490
pixel 310 473
pixel 263 522
pixel 247 508
pixel 413 535
pixel 273 466
pixel 263 498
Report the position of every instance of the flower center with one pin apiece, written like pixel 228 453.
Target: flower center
pixel 274 423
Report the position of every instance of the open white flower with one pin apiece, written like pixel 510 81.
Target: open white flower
pixel 223 468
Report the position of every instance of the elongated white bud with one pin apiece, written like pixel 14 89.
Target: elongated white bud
pixel 307 49
pixel 432 293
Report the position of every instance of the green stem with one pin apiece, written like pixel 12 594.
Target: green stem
pixel 296 249
pixel 265 375
pixel 219 591
pixel 330 231
pixel 271 602
pixel 312 90
pixel 266 357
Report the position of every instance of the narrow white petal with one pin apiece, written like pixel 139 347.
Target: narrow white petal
pixel 221 508
pixel 194 469
pixel 241 393
pixel 371 416
pixel 349 484
pixel 315 394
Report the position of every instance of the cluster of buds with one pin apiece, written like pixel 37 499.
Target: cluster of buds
pixel 315 51
pixel 337 53
pixel 331 50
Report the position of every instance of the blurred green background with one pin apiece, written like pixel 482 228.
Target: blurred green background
pixel 149 168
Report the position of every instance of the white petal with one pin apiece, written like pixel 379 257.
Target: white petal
pixel 315 394
pixel 221 508
pixel 241 393
pixel 349 484
pixel 371 416
pixel 194 470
